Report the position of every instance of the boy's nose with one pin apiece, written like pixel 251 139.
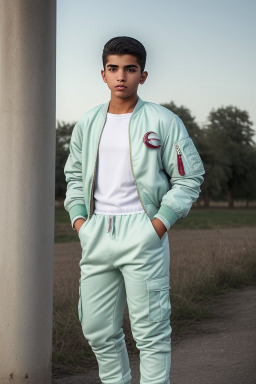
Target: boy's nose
pixel 121 76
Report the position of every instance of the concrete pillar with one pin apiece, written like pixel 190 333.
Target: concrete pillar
pixel 27 172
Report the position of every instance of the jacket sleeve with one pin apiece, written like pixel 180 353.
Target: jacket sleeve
pixel 185 184
pixel 74 202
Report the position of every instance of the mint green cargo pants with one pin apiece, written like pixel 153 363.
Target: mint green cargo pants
pixel 123 259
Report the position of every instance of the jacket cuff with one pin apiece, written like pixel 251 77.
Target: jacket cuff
pixel 167 216
pixel 77 210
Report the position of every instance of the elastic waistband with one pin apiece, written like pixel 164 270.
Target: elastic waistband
pixel 117 214
pixel 111 218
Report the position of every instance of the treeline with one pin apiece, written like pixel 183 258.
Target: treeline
pixel 225 144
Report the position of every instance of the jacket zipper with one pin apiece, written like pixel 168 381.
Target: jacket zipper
pixel 177 148
pixel 179 160
pixel 93 179
pixel 133 172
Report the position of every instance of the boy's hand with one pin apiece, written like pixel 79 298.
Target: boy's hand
pixel 78 224
pixel 159 227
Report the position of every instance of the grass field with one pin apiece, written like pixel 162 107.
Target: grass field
pixel 218 218
pixel 197 219
pixel 211 251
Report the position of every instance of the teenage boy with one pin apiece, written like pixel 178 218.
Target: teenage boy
pixel 132 172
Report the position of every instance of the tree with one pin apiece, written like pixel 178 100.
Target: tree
pixel 230 135
pixel 187 118
pixel 245 188
pixel 63 134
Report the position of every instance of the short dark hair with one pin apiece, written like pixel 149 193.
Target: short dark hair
pixel 124 45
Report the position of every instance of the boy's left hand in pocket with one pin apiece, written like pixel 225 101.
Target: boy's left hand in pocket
pixel 159 227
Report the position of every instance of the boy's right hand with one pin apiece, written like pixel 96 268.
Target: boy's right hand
pixel 78 224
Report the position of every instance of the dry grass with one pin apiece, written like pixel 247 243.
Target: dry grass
pixel 203 263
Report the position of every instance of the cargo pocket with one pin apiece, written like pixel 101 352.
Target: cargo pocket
pixel 80 309
pixel 159 306
pixel 190 156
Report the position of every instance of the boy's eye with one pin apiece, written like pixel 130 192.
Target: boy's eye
pixel 113 69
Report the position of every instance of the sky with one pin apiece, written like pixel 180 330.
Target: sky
pixel 200 53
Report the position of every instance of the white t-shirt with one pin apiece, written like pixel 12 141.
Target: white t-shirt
pixel 115 191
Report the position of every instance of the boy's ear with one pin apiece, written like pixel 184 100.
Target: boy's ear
pixel 144 76
pixel 103 76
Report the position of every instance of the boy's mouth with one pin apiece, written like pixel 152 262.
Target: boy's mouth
pixel 120 87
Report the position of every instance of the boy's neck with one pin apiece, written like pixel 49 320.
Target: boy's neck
pixel 120 106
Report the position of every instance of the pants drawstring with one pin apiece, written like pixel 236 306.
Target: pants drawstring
pixel 110 228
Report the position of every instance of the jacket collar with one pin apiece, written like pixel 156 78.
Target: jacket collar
pixel 137 107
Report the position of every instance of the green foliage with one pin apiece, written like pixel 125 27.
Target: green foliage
pixel 231 158
pixel 234 125
pixel 189 121
pixel 63 134
pixel 228 152
pixel 244 187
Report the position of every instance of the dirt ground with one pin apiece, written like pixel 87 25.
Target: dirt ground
pixel 221 350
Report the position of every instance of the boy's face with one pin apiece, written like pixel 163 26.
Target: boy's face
pixel 123 75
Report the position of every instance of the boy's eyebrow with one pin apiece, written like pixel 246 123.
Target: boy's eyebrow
pixel 126 66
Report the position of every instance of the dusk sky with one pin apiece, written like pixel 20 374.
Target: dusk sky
pixel 201 53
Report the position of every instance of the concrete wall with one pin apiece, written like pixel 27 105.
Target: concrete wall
pixel 27 172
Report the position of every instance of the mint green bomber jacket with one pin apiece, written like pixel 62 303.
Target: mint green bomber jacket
pixel 167 175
